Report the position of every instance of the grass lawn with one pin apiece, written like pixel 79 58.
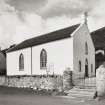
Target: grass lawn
pixel 14 96
pixel 12 90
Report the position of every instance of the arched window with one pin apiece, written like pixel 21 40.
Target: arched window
pixel 86 48
pixel 21 62
pixel 79 66
pixel 43 59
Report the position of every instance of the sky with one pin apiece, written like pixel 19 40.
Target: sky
pixel 24 19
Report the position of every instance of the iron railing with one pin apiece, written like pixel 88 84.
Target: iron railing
pixel 80 80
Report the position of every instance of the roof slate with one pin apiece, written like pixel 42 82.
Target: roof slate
pixel 49 37
pixel 98 38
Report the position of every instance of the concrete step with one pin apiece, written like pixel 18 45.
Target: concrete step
pixel 81 93
pixel 82 90
pixel 87 89
pixel 81 96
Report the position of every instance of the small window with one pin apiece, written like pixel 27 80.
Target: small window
pixel 21 62
pixel 79 66
pixel 43 59
pixel 86 48
pixel 91 68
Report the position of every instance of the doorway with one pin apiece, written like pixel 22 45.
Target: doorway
pixel 86 68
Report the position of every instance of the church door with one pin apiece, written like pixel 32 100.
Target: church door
pixel 86 68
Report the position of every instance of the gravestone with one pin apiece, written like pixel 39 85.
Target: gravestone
pixel 67 79
pixel 100 81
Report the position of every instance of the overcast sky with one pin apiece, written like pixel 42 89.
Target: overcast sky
pixel 23 19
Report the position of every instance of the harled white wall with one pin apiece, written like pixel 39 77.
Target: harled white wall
pixel 79 39
pixel 59 56
pixel 13 62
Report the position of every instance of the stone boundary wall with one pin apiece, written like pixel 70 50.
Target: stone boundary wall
pixel 34 82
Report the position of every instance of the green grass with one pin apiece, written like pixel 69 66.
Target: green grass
pixel 13 90
pixel 28 91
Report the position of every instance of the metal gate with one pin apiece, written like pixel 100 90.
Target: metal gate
pixel 81 81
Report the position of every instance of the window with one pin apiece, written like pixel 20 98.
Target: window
pixel 86 48
pixel 79 66
pixel 91 68
pixel 21 62
pixel 43 59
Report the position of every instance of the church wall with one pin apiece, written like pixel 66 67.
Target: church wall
pixel 61 54
pixel 13 62
pixel 80 38
pixel 59 57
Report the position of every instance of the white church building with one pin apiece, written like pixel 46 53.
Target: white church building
pixel 73 47
pixel 49 53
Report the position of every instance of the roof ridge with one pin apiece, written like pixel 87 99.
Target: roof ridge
pixel 97 30
pixel 45 38
pixel 98 37
pixel 52 32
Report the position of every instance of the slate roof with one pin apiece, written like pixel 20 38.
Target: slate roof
pixel 4 52
pixel 98 38
pixel 49 37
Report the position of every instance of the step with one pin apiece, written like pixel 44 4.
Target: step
pixel 89 90
pixel 86 87
pixel 88 83
pixel 81 93
pixel 81 96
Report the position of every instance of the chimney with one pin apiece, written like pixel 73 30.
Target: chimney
pixel 85 17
